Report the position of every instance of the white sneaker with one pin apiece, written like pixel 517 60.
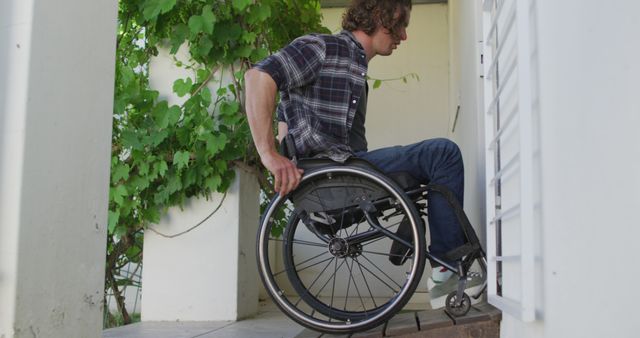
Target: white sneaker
pixel 439 291
pixel 438 275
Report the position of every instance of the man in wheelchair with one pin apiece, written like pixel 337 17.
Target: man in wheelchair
pixel 323 101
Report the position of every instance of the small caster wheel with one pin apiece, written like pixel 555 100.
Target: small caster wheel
pixel 462 309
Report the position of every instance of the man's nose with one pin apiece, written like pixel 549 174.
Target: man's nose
pixel 403 34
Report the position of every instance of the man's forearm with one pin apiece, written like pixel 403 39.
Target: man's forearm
pixel 260 92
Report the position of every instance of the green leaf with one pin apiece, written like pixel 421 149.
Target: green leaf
pixel 221 165
pixel 204 46
pixel 118 193
pixel 263 11
pixel 133 252
pixel 376 84
pixel 161 197
pixel 259 54
pixel 182 87
pixel 121 172
pixel 222 91
pixel 227 108
pixel 140 182
pixel 126 76
pixel 160 114
pixel 205 93
pixel 143 168
pixel 119 105
pixel 152 8
pixel 243 51
pixel 114 216
pixel 181 159
pixel 161 167
pixel 227 32
pixel 202 23
pixel 173 114
pixel 259 13
pixel 249 37
pixel 196 23
pixel 208 19
pixel 240 5
pixel 174 184
pixel 152 214
pixel 157 137
pixel 213 182
pixel 202 74
pixel 130 140
pixel 189 178
pixel 215 143
pixel 178 35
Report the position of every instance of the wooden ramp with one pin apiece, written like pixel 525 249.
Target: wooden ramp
pixel 482 321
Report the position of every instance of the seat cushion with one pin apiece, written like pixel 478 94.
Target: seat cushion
pixel 403 179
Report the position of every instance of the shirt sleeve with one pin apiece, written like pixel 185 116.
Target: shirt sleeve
pixel 297 64
pixel 280 114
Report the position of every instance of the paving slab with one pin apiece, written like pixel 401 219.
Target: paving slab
pixel 164 329
pixel 433 319
pixel 474 315
pixel 376 332
pixel 308 333
pixel 493 312
pixel 401 323
pixel 266 325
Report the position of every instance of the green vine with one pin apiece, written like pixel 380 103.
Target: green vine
pixel 163 154
pixel 378 82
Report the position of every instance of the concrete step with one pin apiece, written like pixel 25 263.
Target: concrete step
pixel 482 321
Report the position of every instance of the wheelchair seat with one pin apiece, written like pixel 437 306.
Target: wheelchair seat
pixel 402 178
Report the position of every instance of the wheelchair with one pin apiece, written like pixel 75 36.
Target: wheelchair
pixel 345 251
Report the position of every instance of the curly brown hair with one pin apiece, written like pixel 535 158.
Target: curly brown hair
pixel 368 15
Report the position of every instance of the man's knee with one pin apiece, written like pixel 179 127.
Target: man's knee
pixel 446 146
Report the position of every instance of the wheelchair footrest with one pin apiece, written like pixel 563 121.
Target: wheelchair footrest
pixel 462 251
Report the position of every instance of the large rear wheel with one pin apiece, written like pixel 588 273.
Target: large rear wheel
pixel 324 251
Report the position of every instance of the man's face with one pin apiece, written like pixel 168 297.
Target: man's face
pixel 385 41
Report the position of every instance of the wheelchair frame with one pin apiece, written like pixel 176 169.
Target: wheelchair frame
pixel 328 317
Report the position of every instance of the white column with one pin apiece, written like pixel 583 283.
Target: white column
pixel 56 95
pixel 210 272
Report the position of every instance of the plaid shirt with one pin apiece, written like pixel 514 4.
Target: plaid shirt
pixel 321 79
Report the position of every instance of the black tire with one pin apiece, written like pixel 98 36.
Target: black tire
pixel 300 293
pixel 458 311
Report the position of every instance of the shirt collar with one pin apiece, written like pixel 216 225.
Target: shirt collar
pixel 350 35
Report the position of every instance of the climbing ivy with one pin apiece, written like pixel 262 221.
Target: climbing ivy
pixel 162 153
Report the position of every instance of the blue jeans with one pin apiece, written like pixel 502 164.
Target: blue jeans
pixel 436 161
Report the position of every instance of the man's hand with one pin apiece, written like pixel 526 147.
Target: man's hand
pixel 286 175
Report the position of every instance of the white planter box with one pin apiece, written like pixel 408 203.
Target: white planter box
pixel 210 272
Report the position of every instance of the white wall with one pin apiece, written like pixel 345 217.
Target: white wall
pixel 590 145
pixel 56 94
pixel 586 117
pixel 465 91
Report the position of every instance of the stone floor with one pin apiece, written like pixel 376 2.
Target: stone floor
pixel 483 321
pixel 269 323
